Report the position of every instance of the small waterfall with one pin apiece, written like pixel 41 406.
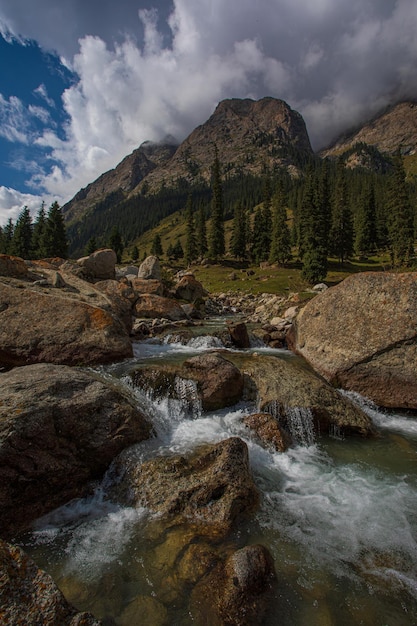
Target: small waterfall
pixel 300 425
pixel 187 394
pixel 298 421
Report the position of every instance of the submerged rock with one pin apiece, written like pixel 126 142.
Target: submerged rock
pixel 60 428
pixel 237 592
pixel 238 334
pixel 211 488
pixel 362 335
pixel 29 596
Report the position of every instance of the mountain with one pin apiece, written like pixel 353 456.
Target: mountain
pixel 395 128
pixel 249 136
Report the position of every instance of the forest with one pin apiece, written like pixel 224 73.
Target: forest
pixel 330 211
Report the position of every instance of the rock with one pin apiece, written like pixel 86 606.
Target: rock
pixel 150 285
pixel 29 596
pixel 282 385
pixel 128 270
pixel 144 610
pixel 150 268
pixel 236 593
pixel 291 313
pixel 219 381
pixel 268 430
pixel 100 264
pixel 152 306
pixel 60 428
pixel 122 297
pixel 37 325
pixel 238 334
pixel 211 489
pixel 362 335
pixel 12 266
pixel 189 289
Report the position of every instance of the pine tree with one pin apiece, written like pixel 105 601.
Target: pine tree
pixel 21 244
pixel 8 231
pixel 312 230
pixel 400 224
pixel 238 241
pixel 156 248
pixel 341 233
pixel 135 253
pixel 280 251
pixel 38 231
pixel 191 252
pixel 365 221
pixel 261 234
pixel 91 246
pixel 54 239
pixel 216 238
pixel 177 250
pixel 116 243
pixel 202 247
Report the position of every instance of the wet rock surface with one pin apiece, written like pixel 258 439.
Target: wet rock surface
pixel 60 428
pixel 29 596
pixel 211 488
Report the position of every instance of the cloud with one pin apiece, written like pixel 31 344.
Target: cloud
pixel 12 202
pixel 146 72
pixel 42 93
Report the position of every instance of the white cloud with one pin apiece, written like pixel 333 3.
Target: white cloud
pixel 12 202
pixel 42 92
pixel 14 125
pixel 141 77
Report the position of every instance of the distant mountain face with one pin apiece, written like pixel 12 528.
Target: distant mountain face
pixel 392 130
pixel 248 134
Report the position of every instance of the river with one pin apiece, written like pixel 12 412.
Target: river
pixel 338 515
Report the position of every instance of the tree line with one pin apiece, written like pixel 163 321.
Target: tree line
pixel 43 238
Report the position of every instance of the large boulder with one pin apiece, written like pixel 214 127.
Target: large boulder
pixel 150 268
pixel 101 265
pixel 220 382
pixel 189 289
pixel 212 488
pixel 152 306
pixel 60 428
pixel 291 393
pixel 122 298
pixel 28 595
pixel 70 327
pixel 361 335
pixel 150 285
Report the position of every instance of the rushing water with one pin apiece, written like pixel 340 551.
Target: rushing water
pixel 338 515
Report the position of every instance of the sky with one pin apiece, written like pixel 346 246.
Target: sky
pixel 85 82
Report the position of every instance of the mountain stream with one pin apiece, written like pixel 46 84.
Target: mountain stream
pixel 339 517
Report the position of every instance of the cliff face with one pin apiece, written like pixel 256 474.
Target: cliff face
pixel 248 134
pixel 396 128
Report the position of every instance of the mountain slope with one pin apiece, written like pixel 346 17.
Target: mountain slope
pixel 249 135
pixel 394 129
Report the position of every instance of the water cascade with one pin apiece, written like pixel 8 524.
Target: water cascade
pixel 338 515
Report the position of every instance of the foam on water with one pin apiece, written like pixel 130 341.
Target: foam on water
pixel 337 512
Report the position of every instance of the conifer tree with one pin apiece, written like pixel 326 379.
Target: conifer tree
pixel 91 246
pixel 400 224
pixel 216 236
pixel 261 234
pixel 7 237
pixel 116 243
pixel 156 248
pixel 135 253
pixel 238 241
pixel 312 231
pixel 2 243
pixel 202 247
pixel 22 235
pixel 190 252
pixel 280 251
pixel 38 231
pixel 365 221
pixel 341 233
pixel 54 239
